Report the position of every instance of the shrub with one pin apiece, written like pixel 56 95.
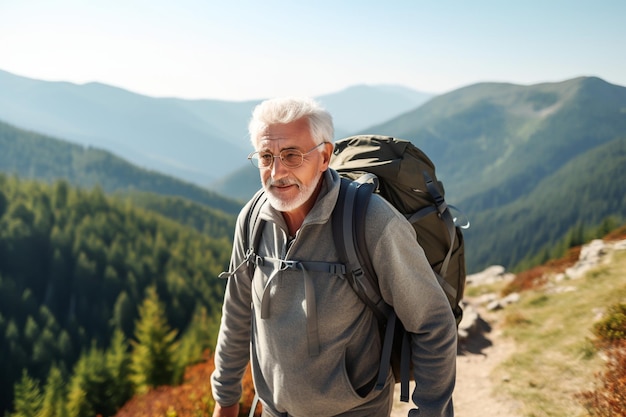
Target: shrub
pixel 609 398
pixel 613 326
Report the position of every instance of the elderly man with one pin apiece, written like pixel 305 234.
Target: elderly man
pixel 313 344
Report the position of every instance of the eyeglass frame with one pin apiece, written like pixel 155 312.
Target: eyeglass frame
pixel 252 157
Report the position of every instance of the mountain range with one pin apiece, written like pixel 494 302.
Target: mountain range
pixel 199 141
pixel 526 164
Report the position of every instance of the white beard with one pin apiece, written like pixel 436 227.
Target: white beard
pixel 305 192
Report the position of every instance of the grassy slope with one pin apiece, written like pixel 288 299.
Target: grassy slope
pixel 555 358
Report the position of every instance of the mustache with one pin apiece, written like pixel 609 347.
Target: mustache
pixel 283 182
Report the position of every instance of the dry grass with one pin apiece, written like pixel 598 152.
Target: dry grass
pixel 555 358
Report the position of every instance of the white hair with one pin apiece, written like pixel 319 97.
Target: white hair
pixel 290 109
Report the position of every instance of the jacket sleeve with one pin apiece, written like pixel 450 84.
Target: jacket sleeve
pixel 408 283
pixel 232 351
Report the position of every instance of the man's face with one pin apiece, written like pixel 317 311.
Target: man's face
pixel 292 189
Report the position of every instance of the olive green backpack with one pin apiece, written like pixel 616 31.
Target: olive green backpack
pixel 403 175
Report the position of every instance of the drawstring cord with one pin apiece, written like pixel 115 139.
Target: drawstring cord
pixel 309 293
pixel 309 300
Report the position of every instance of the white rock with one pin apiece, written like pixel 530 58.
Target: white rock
pixel 490 275
pixel 511 299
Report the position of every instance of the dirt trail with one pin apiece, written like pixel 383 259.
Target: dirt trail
pixel 477 357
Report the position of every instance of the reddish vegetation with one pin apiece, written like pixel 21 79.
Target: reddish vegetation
pixel 190 399
pixel 537 276
pixel 615 235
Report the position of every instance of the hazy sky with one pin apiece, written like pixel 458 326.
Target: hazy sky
pixel 238 50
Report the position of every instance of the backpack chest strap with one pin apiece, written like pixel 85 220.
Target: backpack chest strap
pixel 333 268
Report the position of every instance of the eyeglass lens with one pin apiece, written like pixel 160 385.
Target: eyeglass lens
pixel 291 158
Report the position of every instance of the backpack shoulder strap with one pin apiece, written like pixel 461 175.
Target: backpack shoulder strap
pixel 251 234
pixel 349 235
pixel 254 225
pixel 348 219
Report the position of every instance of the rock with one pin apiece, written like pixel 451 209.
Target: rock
pixel 486 298
pixel 469 322
pixel 511 299
pixel 491 275
pixel 621 245
pixel 494 305
pixel 499 304
pixel 590 256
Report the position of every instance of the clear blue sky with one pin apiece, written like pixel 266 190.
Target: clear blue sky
pixel 238 50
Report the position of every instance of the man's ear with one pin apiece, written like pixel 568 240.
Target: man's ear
pixel 327 152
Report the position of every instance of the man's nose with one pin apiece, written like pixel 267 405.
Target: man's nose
pixel 278 168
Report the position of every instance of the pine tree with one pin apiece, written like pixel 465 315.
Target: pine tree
pixel 118 366
pixel 27 399
pixel 87 395
pixel 198 337
pixel 123 311
pixel 53 404
pixel 153 359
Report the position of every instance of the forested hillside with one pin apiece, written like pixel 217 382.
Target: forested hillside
pixel 526 164
pixel 583 194
pixel 33 155
pixel 82 274
pixel 203 218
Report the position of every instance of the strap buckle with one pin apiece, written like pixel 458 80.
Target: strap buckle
pixel 284 265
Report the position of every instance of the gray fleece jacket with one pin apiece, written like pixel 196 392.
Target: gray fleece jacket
pixel 311 341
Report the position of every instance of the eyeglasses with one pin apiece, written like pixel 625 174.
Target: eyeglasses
pixel 290 158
